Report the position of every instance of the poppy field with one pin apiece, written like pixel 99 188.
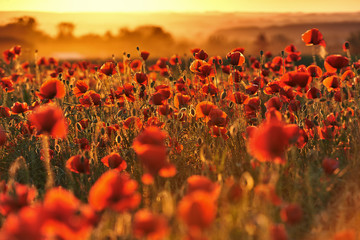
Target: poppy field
pixel 200 147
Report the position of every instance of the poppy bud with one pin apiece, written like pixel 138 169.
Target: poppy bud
pixel 261 52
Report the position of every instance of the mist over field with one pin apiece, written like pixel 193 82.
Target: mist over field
pixel 70 35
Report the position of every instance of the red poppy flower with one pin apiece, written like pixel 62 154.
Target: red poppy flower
pixel 78 164
pixel 291 214
pixel 116 191
pixel 90 98
pixel 66 217
pixel 165 110
pixel 135 65
pixel 202 69
pixel 293 79
pixel 149 226
pixel 330 165
pixel 215 60
pixel 332 83
pixel 201 55
pixel 274 102
pixel 114 161
pixel 181 100
pixel 314 71
pixel 202 183
pixel 7 84
pixel 42 61
pixel 49 120
pixel 141 78
pixel 4 112
pixel 15 198
pixel 175 59
pixel 132 122
pixel 52 88
pixel 236 58
pixel 278 232
pixel 8 56
pixel 80 88
pixel 273 87
pixel 144 55
pixel 157 99
pixel 238 97
pixel 218 118
pixel 108 68
pixel 271 140
pixel 313 37
pixel 26 224
pixel 151 150
pixel 18 108
pixel 335 62
pixel 197 210
pixel 203 110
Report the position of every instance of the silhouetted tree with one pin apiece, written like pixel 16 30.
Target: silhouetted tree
pixel 65 30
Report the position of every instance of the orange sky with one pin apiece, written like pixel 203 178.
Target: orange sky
pixel 181 6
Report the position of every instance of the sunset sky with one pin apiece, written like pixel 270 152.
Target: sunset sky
pixel 180 6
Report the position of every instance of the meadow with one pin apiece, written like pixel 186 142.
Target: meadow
pixel 201 147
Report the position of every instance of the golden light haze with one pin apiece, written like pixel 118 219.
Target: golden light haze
pixel 180 6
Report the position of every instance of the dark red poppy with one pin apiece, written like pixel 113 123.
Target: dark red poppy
pixel 151 150
pixel 80 88
pixel 329 165
pixel 181 100
pixel 202 183
pixel 175 59
pixel 335 62
pixel 66 217
pixel 203 110
pixel 270 141
pixel 157 99
pixel 114 161
pixel 8 56
pixel 291 214
pixel 136 65
pixel 313 37
pixel 108 68
pixel 278 232
pixel 16 197
pixel 274 102
pixel 116 191
pixel 141 78
pixel 144 55
pixel 202 69
pixel 238 97
pixel 201 55
pixel 78 164
pixel 218 118
pixel 149 226
pixel 7 84
pixel 18 108
pixel 52 88
pixel 197 210
pixel 4 112
pixel 90 98
pixel 314 71
pixel 235 58
pixel 332 83
pixel 49 120
pixel 132 122
pixel 294 79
